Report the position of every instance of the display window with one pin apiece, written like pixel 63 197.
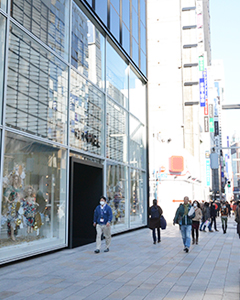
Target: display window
pixel 33 196
pixel 137 203
pixel 2 58
pixel 117 195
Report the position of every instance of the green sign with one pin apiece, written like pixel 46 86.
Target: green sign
pixel 211 125
pixel 201 63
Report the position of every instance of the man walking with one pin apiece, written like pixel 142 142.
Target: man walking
pixel 102 220
pixel 184 217
pixel 213 215
pixel 155 213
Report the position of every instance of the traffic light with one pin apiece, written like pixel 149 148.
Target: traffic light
pixel 229 183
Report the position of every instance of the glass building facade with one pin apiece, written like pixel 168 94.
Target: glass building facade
pixel 72 87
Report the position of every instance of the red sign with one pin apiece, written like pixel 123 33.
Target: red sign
pixel 176 164
pixel 206 108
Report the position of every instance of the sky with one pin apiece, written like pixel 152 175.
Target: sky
pixel 225 44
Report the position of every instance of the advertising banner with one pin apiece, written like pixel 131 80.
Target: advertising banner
pixel 206 124
pixel 202 92
pixel 206 83
pixel 206 107
pixel 215 107
pixel 216 129
pixel 210 108
pixel 200 35
pixel 208 172
pixel 199 21
pixel 211 125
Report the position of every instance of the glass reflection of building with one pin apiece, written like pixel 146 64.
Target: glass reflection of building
pixel 69 90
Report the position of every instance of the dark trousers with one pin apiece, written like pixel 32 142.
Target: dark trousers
pixel 213 220
pixel 195 228
pixel 154 234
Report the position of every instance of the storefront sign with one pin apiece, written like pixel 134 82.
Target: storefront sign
pixel 206 124
pixel 206 83
pixel 211 125
pixel 199 7
pixel 215 107
pixel 202 92
pixel 210 108
pixel 206 107
pixel 208 172
pixel 216 129
pixel 201 63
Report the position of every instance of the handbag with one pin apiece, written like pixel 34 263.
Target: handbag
pixel 191 212
pixel 163 223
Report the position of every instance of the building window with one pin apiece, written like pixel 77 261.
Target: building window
pixel 88 48
pixel 114 22
pixel 101 8
pixel 3 4
pixel 37 86
pixel 125 38
pixel 86 115
pixel 117 77
pixel 116 143
pixel 117 190
pixel 137 144
pixel 48 20
pixel 2 59
pixel 34 196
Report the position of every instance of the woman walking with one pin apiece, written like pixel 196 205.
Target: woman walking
pixel 155 213
pixel 196 221
pixel 224 216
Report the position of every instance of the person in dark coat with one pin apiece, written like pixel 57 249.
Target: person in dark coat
pixel 206 217
pixel 213 214
pixel 155 213
pixel 237 217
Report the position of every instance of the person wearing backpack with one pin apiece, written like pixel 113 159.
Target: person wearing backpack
pixel 155 213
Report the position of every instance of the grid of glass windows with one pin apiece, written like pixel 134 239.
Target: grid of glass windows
pixel 2 59
pixel 36 88
pixel 85 99
pixel 48 20
pixel 3 4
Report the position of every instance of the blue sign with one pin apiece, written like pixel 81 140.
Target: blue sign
pixel 215 109
pixel 208 172
pixel 206 83
pixel 202 92
pixel 216 84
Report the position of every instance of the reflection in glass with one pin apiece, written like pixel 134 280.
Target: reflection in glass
pixel 2 59
pixel 36 89
pixel 137 144
pixel 137 207
pixel 137 97
pixel 117 194
pixel 88 48
pixel 101 10
pixel 116 142
pixel 126 12
pixel 135 51
pixel 114 23
pixel 143 38
pixel 135 25
pixel 48 20
pixel 3 4
pixel 117 76
pixel 143 63
pixel 86 115
pixel 125 39
pixel 34 195
pixel 143 11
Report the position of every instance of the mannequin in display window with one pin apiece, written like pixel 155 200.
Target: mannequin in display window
pixel 12 195
pixel 30 205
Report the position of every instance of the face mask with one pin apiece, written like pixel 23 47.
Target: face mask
pixel 102 203
pixel 195 204
pixel 224 206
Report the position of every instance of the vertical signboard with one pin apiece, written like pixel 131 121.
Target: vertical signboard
pixel 206 124
pixel 206 83
pixel 208 175
pixel 206 107
pixel 211 122
pixel 202 92
pixel 216 129
pixel 201 63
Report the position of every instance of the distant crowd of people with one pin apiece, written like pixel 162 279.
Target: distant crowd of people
pixel 193 217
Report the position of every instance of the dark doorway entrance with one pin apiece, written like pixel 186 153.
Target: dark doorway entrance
pixel 86 188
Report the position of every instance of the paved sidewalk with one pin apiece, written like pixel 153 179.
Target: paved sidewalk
pixel 134 269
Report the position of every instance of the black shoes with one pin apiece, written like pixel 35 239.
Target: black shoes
pixel 186 250
pixel 97 251
pixel 106 250
pixel 159 241
pixel 154 242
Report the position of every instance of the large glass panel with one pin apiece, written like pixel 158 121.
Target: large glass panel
pixel 48 20
pixel 125 39
pixel 117 194
pixel 117 76
pixel 86 115
pixel 143 63
pixel 126 12
pixel 89 2
pixel 116 5
pixel 114 23
pixel 143 11
pixel 3 4
pixel 143 38
pixel 137 144
pixel 137 203
pixel 88 48
pixel 34 197
pixel 101 8
pixel 137 97
pixel 116 143
pixel 2 59
pixel 135 25
pixel 37 88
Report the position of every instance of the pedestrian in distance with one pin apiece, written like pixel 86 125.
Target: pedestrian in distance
pixel 224 216
pixel 184 215
pixel 206 218
pixel 229 208
pixel 155 213
pixel 213 214
pixel 102 221
pixel 196 221
pixel 237 217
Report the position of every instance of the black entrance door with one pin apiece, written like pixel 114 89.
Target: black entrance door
pixel 86 187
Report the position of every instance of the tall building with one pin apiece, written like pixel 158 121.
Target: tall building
pixel 73 121
pixel 179 143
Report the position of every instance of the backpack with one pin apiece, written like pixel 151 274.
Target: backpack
pixel 154 212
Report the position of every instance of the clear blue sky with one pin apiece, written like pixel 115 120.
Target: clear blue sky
pixel 225 43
